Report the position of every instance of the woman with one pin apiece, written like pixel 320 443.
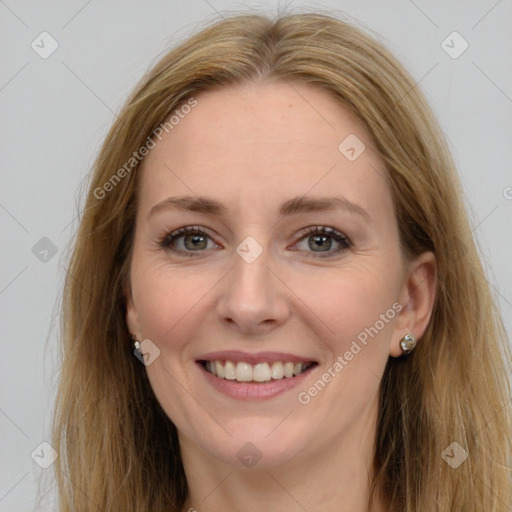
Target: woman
pixel 274 299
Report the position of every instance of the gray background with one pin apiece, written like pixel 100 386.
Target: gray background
pixel 56 111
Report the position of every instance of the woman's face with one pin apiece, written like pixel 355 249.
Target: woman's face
pixel 296 268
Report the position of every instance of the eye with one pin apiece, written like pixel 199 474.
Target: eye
pixel 321 237
pixel 194 239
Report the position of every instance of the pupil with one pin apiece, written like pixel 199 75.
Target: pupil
pixel 321 239
pixel 196 240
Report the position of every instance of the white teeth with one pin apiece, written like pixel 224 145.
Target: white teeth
pixel 229 370
pixel 277 370
pixel 288 370
pixel 220 369
pixel 243 372
pixel 260 372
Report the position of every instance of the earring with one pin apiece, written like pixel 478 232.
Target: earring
pixel 407 343
pixel 136 344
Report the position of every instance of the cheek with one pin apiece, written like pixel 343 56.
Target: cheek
pixel 166 297
pixel 339 305
pixel 339 310
pixel 360 308
pixel 352 303
pixel 170 307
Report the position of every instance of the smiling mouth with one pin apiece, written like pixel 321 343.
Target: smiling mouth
pixel 259 373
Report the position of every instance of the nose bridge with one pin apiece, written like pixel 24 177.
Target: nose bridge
pixel 250 280
pixel 251 296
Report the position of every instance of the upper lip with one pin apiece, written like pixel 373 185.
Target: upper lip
pixel 253 358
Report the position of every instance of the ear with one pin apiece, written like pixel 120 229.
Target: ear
pixel 417 299
pixel 132 317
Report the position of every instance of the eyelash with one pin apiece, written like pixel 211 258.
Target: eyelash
pixel 170 238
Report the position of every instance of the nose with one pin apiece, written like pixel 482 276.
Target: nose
pixel 253 298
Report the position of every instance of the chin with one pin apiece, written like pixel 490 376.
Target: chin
pixel 257 446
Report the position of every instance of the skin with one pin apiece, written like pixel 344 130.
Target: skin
pixel 253 147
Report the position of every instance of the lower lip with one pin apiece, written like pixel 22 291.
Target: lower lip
pixel 254 390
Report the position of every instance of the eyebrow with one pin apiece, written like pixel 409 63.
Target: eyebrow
pixel 292 206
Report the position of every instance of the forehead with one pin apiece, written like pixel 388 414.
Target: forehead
pixel 258 144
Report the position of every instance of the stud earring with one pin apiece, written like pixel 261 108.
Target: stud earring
pixel 136 343
pixel 407 343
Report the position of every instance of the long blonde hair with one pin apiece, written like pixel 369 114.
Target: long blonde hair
pixel 118 449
